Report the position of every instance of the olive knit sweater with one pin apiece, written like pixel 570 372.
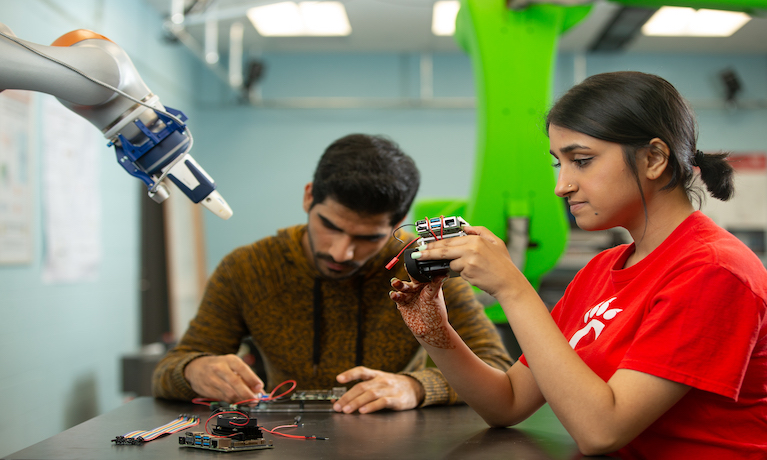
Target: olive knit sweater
pixel 310 329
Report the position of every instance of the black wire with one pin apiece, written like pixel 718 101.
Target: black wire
pixel 394 232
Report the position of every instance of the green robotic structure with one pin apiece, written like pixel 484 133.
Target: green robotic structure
pixel 513 51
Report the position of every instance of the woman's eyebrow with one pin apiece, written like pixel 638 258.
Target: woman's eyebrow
pixel 572 147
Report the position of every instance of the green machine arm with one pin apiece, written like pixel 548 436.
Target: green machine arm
pixel 512 56
pixel 513 189
pixel 513 53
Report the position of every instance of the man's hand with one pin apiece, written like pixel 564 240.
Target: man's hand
pixel 378 390
pixel 223 378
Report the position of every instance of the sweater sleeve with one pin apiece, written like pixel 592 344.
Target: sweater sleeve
pixel 468 318
pixel 217 329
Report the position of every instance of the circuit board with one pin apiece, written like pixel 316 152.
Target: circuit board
pixel 438 228
pixel 233 432
pixel 429 230
pixel 299 401
pixel 200 440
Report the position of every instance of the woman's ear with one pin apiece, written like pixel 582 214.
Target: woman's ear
pixel 657 158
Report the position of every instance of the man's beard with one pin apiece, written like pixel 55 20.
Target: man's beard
pixel 354 266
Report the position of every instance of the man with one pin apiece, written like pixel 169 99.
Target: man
pixel 314 298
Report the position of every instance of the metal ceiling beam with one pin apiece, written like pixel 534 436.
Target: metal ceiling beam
pixel 624 26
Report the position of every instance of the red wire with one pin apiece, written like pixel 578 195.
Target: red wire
pixel 441 227
pixel 406 246
pixel 233 423
pixel 207 401
pixel 273 431
pixel 395 259
pixel 428 227
pixel 271 395
pixel 281 426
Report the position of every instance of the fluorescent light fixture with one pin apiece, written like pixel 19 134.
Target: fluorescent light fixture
pixel 443 17
pixel 670 21
pixel 291 19
pixel 278 19
pixel 325 18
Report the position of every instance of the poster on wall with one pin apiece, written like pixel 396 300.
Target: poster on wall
pixel 71 198
pixel 16 188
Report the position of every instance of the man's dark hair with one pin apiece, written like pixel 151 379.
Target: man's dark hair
pixel 367 174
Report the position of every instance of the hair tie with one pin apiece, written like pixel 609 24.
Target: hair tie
pixel 698 158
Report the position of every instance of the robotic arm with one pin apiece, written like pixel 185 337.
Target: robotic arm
pixel 95 78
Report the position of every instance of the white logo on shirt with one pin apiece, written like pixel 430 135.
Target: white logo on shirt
pixel 592 318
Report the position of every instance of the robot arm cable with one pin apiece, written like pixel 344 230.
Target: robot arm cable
pixel 94 80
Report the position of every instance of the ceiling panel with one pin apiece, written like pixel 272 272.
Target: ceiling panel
pixel 405 26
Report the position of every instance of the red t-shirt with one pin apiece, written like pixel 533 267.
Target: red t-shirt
pixel 693 311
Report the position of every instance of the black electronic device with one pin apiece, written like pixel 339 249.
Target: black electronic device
pixel 425 271
pixel 429 230
pixel 233 432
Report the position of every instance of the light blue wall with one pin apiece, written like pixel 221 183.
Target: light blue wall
pixel 261 157
pixel 270 155
pixel 61 343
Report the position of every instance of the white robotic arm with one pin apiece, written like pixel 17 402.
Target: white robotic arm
pixel 96 79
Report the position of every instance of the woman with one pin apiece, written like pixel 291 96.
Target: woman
pixel 657 349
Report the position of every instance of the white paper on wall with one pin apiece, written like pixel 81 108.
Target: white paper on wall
pixel 71 196
pixel 16 183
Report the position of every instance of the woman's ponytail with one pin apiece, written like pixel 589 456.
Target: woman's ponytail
pixel 717 173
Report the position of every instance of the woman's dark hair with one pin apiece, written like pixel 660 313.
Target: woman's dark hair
pixel 367 174
pixel 632 108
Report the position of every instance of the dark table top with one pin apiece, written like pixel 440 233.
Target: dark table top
pixel 440 432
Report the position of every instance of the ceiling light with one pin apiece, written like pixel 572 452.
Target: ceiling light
pixel 325 18
pixel 672 21
pixel 443 17
pixel 717 23
pixel 291 19
pixel 277 19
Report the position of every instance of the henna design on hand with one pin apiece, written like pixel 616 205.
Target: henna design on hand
pixel 423 310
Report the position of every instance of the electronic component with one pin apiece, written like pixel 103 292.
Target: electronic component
pixel 299 401
pixel 233 432
pixel 447 227
pixel 429 230
pixel 137 438
pixel 318 395
pixel 200 440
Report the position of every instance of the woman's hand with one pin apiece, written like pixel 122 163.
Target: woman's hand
pixel 422 306
pixel 481 258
